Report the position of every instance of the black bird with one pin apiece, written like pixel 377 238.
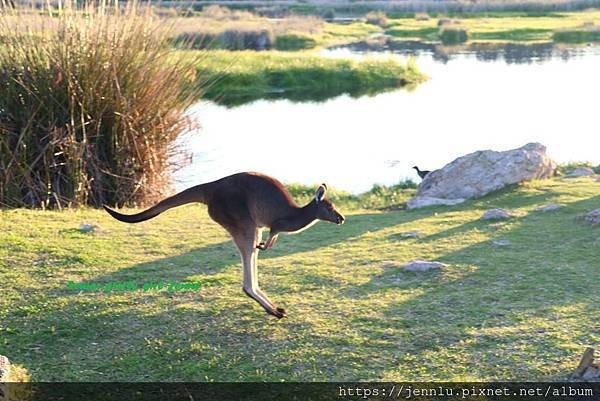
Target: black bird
pixel 422 173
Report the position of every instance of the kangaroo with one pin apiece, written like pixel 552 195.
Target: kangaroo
pixel 244 204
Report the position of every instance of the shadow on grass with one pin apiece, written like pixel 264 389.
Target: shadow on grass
pixel 226 337
pixel 550 266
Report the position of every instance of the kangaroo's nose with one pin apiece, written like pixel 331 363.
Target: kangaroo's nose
pixel 341 220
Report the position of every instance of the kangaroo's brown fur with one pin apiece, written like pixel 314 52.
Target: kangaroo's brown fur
pixel 244 204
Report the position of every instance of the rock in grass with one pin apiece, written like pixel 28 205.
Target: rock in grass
pixel 388 264
pixel 548 208
pixel 592 217
pixel 479 173
pixel 501 242
pixel 422 265
pixel 496 214
pixel 4 372
pixel 588 369
pixel 4 368
pixel 581 172
pixel 409 234
pixel 88 228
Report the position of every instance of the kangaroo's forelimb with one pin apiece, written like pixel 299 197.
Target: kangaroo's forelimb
pixel 269 243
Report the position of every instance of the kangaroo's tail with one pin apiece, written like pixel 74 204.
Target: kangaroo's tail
pixel 199 193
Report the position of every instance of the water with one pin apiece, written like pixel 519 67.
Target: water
pixel 475 99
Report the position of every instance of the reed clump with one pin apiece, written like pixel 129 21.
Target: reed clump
pixel 92 100
pixel 218 27
pixel 377 18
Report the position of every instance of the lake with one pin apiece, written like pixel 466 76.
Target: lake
pixel 477 97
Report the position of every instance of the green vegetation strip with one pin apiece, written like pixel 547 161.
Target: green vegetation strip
pixel 573 27
pixel 240 77
pixel 525 311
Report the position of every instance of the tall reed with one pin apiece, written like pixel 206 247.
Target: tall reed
pixel 92 100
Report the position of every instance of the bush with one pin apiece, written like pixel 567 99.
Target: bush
pixel 577 36
pixel 453 35
pixel 243 39
pixel 196 40
pixel 294 42
pixel 565 168
pixel 377 18
pixel 90 106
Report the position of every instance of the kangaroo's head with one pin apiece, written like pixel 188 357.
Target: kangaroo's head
pixel 325 209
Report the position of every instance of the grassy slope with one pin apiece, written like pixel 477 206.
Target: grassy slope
pixel 498 27
pixel 249 75
pixel 525 311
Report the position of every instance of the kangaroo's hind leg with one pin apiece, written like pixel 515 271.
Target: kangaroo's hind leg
pixel 280 311
pixel 246 241
pixel 232 214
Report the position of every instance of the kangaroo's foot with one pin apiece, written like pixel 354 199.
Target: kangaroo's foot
pixel 277 312
pixel 267 305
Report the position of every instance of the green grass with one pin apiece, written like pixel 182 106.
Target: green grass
pixel 247 76
pixel 292 42
pixel 516 35
pixel 505 27
pixel 521 312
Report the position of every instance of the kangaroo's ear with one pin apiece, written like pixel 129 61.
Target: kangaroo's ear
pixel 321 191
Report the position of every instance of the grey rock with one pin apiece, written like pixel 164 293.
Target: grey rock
pixel 496 214
pixel 581 172
pixel 591 374
pixel 422 265
pixel 422 201
pixel 592 217
pixel 479 173
pixel 548 208
pixel 88 228
pixel 501 242
pixel 409 234
pixel 4 369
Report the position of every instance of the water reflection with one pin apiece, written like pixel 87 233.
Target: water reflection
pixel 511 53
pixel 471 102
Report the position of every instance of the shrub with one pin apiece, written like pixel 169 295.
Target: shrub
pixel 224 13
pixel 329 15
pixel 377 18
pixel 90 106
pixel 565 168
pixel 242 39
pixel 577 36
pixel 196 40
pixel 452 35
